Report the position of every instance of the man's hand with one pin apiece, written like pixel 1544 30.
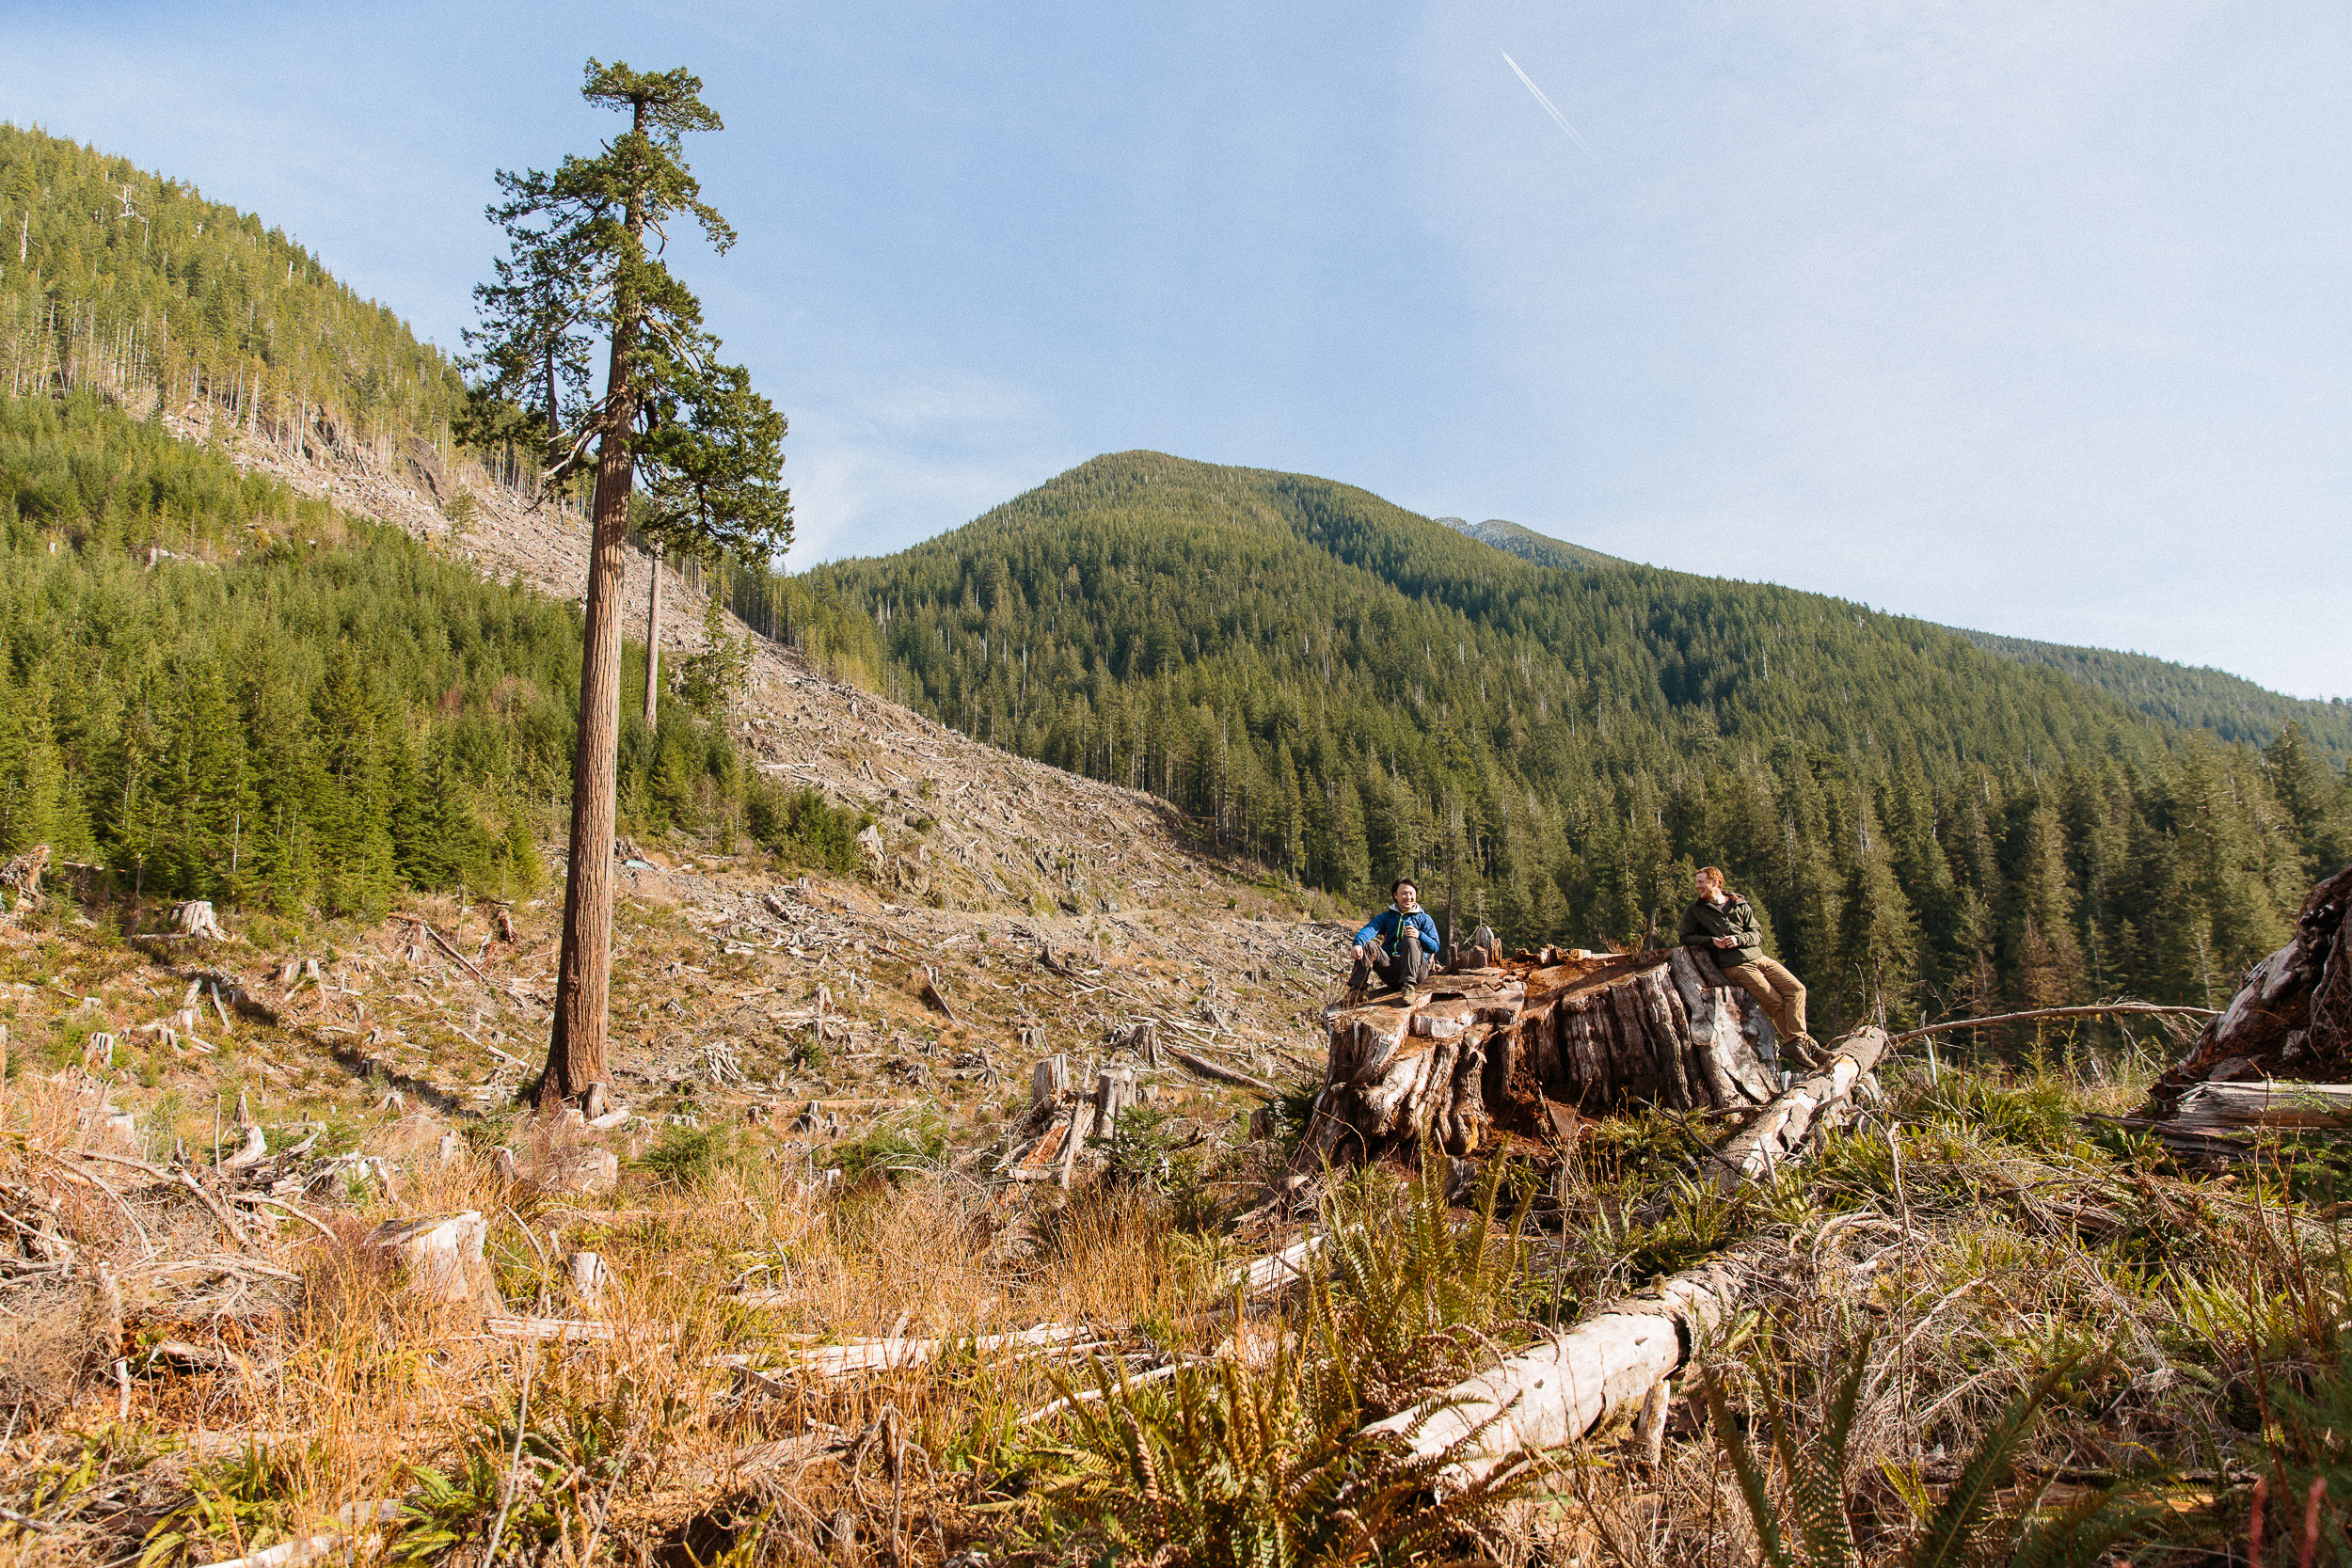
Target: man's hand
pixel 1358 950
pixel 1726 942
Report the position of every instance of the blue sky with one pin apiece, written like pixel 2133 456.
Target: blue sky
pixel 2031 317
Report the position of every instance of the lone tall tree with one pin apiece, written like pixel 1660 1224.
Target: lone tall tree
pixel 675 427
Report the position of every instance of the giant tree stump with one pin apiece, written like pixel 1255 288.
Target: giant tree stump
pixel 1493 1049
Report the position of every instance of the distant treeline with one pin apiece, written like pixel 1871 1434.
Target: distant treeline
pixel 121 280
pixel 1345 692
pixel 213 688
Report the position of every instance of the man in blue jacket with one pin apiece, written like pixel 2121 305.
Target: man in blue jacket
pixel 1397 945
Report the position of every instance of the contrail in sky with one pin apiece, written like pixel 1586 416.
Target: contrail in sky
pixel 1558 119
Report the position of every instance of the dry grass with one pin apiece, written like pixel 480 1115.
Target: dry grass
pixel 1972 1232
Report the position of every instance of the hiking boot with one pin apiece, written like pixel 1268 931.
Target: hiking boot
pixel 1804 1050
pixel 1408 991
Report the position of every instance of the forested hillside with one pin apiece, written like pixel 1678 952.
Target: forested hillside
pixel 118 279
pixel 213 688
pixel 1345 690
pixel 2220 704
pixel 1528 545
pixel 2215 701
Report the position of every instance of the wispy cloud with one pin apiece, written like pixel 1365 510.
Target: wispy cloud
pixel 1553 109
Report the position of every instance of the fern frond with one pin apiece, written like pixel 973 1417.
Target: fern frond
pixel 1954 1527
pixel 1743 1466
pixel 2081 1534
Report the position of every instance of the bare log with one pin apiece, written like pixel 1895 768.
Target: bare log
pixel 1783 1128
pixel 1556 1392
pixel 2217 1110
pixel 1216 1072
pixel 874 1355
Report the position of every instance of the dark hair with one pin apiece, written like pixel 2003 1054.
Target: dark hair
pixel 1403 881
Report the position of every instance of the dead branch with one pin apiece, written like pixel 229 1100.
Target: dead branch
pixel 442 942
pixel 2108 1009
pixel 1222 1074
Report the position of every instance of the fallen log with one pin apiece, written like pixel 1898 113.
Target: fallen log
pixel 1216 1071
pixel 1485 1052
pixel 1781 1128
pixel 2217 1110
pixel 892 1354
pixel 1556 1392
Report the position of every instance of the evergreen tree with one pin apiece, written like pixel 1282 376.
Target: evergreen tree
pixel 704 448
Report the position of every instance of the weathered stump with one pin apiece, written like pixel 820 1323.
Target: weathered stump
pixel 20 880
pixel 196 919
pixel 1492 1049
pixel 2292 1017
pixel 441 1252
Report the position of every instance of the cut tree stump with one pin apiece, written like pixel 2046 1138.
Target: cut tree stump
pixel 21 877
pixel 196 919
pixel 1495 1049
pixel 2291 1018
pixel 442 1253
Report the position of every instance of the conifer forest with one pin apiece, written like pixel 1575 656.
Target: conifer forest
pixel 534 1036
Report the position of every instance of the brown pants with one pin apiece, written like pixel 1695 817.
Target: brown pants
pixel 1782 994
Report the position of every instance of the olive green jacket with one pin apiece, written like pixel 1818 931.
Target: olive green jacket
pixel 1703 922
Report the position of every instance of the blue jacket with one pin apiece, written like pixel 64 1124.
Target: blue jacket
pixel 1387 927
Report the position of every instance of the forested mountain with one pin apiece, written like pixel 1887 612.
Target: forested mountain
pixel 1528 545
pixel 121 281
pixel 2224 704
pixel 1347 690
pixel 213 688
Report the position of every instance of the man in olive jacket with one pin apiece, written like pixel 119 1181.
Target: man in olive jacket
pixel 1723 923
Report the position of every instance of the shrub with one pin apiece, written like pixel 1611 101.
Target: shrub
pixel 690 1156
pixel 801 828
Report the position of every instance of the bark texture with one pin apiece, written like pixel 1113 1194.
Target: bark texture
pixel 584 969
pixel 1488 1053
pixel 2292 1016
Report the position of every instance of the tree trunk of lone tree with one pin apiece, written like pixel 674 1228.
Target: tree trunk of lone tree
pixel 1494 1051
pixel 653 636
pixel 584 972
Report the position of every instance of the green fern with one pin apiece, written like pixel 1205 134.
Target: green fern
pixel 1967 1530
